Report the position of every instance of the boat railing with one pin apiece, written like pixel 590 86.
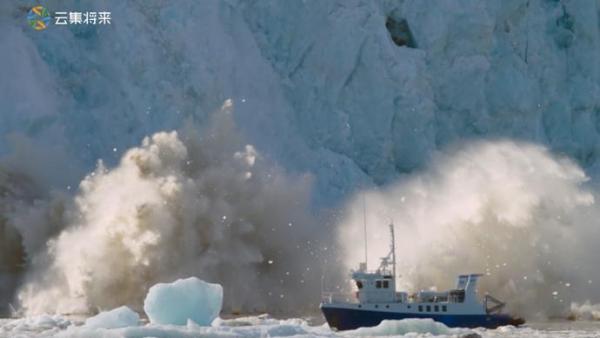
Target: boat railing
pixel 385 274
pixel 336 297
pixel 493 305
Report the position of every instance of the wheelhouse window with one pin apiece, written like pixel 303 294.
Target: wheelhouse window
pixel 378 284
pixel 428 308
pixel 436 308
pixel 386 284
pixel 420 308
pixel 457 296
pixel 444 308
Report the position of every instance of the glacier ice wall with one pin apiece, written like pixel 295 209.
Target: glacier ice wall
pixel 520 69
pixel 322 79
pixel 319 87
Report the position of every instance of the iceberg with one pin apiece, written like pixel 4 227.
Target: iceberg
pixel 113 319
pixel 190 298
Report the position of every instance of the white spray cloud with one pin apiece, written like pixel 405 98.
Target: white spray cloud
pixel 28 217
pixel 507 209
pixel 208 204
pixel 585 311
pixel 183 203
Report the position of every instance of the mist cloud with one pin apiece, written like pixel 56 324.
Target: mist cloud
pixel 510 210
pixel 183 203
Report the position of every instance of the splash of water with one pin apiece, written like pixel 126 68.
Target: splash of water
pixel 183 203
pixel 507 209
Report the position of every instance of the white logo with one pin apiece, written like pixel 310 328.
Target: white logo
pixel 82 18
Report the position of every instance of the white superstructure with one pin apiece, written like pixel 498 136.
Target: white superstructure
pixel 376 290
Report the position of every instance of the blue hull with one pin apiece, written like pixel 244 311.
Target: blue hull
pixel 350 319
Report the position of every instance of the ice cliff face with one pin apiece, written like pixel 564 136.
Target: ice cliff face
pixel 517 69
pixel 354 92
pixel 320 85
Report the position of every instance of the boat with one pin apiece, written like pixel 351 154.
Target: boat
pixel 377 300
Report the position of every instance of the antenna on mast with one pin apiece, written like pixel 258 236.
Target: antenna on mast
pixel 365 227
pixel 393 249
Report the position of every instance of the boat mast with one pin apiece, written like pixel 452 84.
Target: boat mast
pixel 393 251
pixel 365 227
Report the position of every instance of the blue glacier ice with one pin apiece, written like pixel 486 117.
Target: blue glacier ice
pixel 319 85
pixel 184 299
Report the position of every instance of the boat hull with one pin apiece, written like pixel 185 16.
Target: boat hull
pixel 350 319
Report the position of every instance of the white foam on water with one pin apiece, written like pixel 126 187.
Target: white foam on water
pixel 585 311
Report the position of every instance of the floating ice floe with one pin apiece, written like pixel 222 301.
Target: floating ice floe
pixel 184 299
pixel 266 326
pixel 113 319
pixel 32 326
pixel 404 326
